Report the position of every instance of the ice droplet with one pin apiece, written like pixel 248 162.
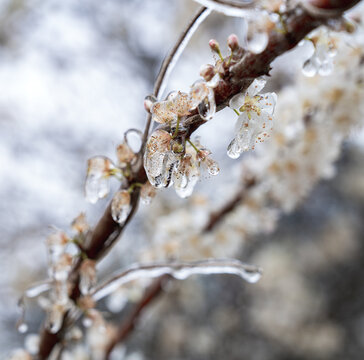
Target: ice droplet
pixel 309 68
pixel 258 42
pixel 22 327
pixel 182 270
pixel 120 206
pixel 234 150
pixel 207 107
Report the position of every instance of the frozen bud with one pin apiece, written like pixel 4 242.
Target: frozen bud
pixel 233 42
pixel 147 193
pixel 31 343
pixel 54 318
pixel 87 276
pixel 207 71
pixel 62 267
pixel 124 154
pixel 120 206
pixel 56 244
pixel 86 302
pixel 214 46
pixel 20 354
pixel 148 102
pixel 159 160
pixel 99 170
pixel 80 224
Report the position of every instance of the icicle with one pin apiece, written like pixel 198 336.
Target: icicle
pixel 234 150
pixel 207 107
pixel 250 273
pixel 185 176
pixel 99 170
pixel 120 206
pixel 87 276
pixel 159 160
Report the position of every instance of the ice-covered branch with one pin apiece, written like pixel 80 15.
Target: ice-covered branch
pixel 180 271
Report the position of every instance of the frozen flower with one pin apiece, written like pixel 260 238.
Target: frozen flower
pixel 80 224
pixel 177 104
pixel 159 159
pixel 255 118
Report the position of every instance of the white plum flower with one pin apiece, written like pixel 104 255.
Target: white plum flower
pixel 255 118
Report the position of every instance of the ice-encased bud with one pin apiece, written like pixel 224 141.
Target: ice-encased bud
pixel 80 224
pixel 147 193
pixel 159 159
pixel 99 170
pixel 124 154
pixel 87 276
pixel 148 102
pixel 120 206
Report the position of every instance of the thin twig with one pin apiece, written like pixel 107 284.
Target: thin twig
pixel 171 59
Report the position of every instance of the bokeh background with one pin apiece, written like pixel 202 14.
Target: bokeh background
pixel 73 76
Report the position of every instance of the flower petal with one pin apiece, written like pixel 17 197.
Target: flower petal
pixel 256 86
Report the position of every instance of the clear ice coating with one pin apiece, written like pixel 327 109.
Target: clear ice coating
pixel 97 180
pixel 207 107
pixel 182 270
pixel 255 35
pixel 147 193
pixel 120 206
